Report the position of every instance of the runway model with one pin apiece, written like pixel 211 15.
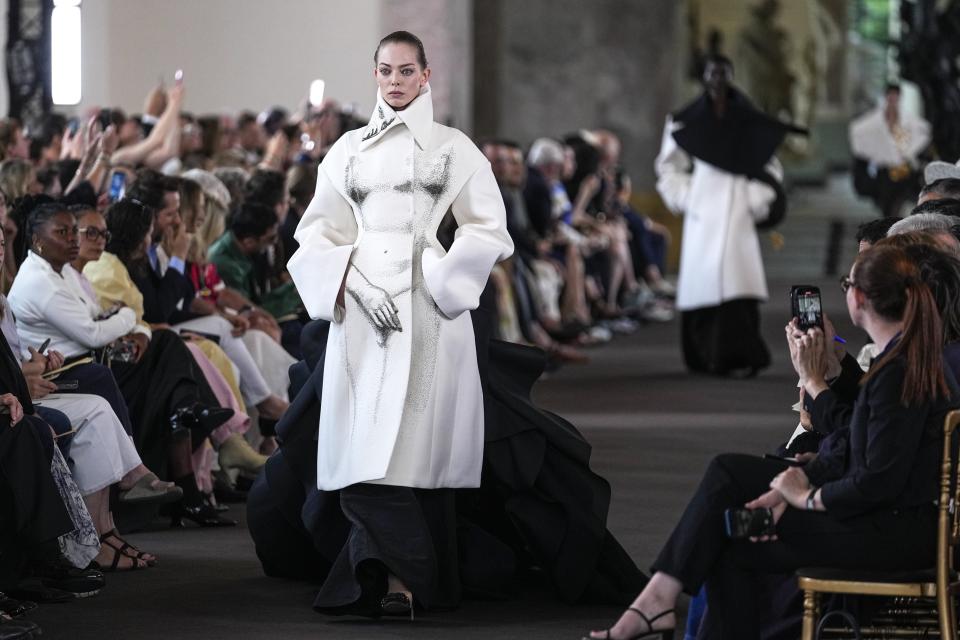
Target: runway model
pixel 382 500
pixel 716 167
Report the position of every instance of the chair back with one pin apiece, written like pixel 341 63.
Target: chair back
pixel 948 525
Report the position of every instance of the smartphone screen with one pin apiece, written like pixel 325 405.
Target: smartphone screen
pixel 749 523
pixel 806 307
pixel 118 182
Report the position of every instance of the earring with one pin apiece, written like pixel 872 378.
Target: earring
pixel 39 249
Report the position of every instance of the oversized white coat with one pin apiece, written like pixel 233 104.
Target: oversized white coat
pixel 401 407
pixel 720 251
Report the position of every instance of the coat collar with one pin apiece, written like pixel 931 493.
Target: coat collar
pixel 418 116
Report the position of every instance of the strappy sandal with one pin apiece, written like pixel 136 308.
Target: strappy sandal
pixel 133 552
pixel 662 634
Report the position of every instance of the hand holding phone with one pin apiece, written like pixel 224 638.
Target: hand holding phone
pixel 67 385
pixel 749 523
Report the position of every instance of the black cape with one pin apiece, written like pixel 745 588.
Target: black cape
pixel 741 142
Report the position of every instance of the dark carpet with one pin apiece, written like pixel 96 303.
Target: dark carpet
pixel 653 428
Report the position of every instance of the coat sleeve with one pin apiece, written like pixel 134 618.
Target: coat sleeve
pixel 760 196
pixel 456 280
pixel 326 233
pixel 673 168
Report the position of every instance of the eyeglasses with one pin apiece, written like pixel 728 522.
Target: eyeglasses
pixel 93 234
pixel 846 283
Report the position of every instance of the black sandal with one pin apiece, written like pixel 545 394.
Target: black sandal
pixel 662 634
pixel 120 552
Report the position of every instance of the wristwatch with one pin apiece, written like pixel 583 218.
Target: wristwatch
pixel 811 503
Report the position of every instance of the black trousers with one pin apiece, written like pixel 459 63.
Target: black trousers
pixel 699 553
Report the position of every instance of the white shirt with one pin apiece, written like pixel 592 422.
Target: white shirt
pixel 55 305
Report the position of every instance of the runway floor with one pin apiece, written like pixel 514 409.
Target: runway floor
pixel 653 428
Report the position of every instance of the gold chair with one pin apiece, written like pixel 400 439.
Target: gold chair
pixel 940 583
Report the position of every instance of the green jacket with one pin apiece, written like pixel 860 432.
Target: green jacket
pixel 239 272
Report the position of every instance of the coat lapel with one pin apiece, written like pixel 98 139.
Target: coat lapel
pixel 418 117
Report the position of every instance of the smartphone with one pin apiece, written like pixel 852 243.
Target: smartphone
pixel 43 347
pixel 178 76
pixel 73 125
pixel 118 186
pixel 805 306
pixel 68 385
pixel 748 523
pixel 793 462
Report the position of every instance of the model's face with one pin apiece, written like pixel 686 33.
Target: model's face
pixel 892 101
pixel 717 77
pixel 93 235
pixel 399 74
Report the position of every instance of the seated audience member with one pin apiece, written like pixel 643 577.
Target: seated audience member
pixel 943 206
pixel 301 183
pixel 235 180
pixel 253 229
pixel 101 453
pixel 18 178
pixel 877 509
pixel 938 226
pixel 649 241
pixel 13 143
pixel 944 188
pixel 32 514
pixel 872 231
pixel 169 296
pixel 112 284
pixel 169 401
pixel 209 225
pixel 160 146
pixel 269 188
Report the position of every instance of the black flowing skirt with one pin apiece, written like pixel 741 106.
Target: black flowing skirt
pixel 724 339
pixel 166 378
pixel 539 505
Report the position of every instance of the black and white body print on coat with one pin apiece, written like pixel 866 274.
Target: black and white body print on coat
pixel 402 403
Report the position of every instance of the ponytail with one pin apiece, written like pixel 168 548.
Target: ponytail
pixel 887 270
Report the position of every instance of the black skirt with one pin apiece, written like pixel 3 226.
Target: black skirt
pixel 539 505
pixel 725 339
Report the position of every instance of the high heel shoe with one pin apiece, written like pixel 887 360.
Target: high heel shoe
pixel 199 421
pixel 397 604
pixel 202 515
pixel 662 634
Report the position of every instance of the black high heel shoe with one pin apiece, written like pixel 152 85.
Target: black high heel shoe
pixel 662 634
pixel 396 604
pixel 202 515
pixel 199 421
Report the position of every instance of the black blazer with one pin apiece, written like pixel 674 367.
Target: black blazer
pixel 161 295
pixel 892 458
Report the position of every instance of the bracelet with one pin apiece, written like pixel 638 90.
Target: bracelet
pixel 104 159
pixel 811 503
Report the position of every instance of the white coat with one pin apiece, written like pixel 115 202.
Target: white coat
pixel 720 251
pixel 402 407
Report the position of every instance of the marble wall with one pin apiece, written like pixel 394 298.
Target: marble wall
pixel 550 67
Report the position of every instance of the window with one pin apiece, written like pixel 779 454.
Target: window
pixel 65 52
